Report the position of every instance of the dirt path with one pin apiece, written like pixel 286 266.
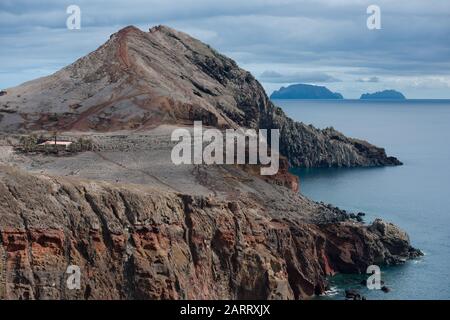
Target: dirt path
pixel 160 181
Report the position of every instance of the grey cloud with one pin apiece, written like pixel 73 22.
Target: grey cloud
pixel 371 79
pixel 299 77
pixel 296 34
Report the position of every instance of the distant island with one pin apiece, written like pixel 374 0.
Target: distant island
pixel 305 91
pixel 383 95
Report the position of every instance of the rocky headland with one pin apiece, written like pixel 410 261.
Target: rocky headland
pixel 138 80
pixel 139 227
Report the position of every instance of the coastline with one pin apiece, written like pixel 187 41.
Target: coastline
pixel 411 196
pixel 172 232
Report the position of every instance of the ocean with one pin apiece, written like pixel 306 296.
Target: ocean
pixel 415 196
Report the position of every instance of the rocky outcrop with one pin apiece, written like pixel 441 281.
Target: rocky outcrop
pixel 306 146
pixel 138 80
pixel 135 242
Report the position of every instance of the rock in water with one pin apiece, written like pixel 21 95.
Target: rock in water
pixel 353 294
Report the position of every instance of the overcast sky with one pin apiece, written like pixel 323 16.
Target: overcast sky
pixel 279 41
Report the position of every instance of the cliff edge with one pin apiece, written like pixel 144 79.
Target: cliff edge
pixel 137 242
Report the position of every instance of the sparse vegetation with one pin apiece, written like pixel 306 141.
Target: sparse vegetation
pixel 81 145
pixel 29 143
pixel 33 143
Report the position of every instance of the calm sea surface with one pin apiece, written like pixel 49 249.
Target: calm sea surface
pixel 415 196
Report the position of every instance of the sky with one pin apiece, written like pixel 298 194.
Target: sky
pixel 280 41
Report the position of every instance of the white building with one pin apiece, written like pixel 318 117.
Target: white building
pixel 61 144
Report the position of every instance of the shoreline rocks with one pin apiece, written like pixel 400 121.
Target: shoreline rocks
pixel 353 294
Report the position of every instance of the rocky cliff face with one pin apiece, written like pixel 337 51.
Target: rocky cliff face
pixel 138 80
pixel 135 242
pixel 139 227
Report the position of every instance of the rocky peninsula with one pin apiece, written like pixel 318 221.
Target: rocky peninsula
pixel 139 227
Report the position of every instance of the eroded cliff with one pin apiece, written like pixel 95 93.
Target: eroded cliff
pixel 136 242
pixel 139 227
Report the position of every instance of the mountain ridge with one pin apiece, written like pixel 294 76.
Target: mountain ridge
pixel 140 227
pixel 138 80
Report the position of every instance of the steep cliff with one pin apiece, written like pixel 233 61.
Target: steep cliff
pixel 138 80
pixel 139 227
pixel 136 242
